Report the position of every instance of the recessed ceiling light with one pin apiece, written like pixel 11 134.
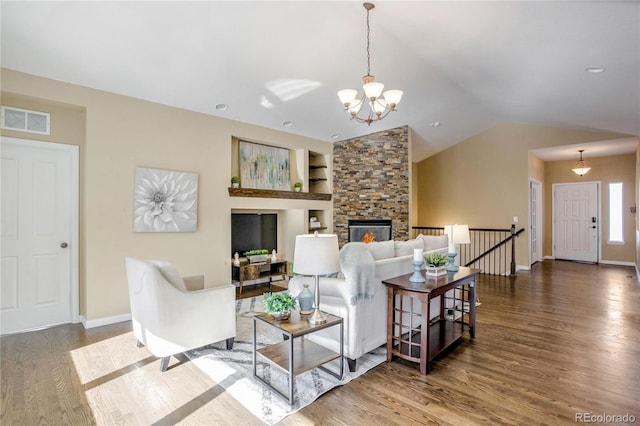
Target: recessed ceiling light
pixel 335 136
pixel 595 70
pixel 435 124
pixel 222 107
pixel 287 123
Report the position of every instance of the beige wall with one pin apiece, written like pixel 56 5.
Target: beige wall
pixel 116 134
pixel 484 180
pixel 604 170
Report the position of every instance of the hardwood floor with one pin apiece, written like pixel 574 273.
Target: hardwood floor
pixel 559 340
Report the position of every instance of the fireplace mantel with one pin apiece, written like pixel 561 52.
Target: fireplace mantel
pixel 270 193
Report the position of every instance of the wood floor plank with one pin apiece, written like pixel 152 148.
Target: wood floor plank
pixel 561 339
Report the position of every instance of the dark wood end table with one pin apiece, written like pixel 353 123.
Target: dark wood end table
pixel 425 341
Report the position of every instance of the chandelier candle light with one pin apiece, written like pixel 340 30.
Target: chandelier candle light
pixel 380 104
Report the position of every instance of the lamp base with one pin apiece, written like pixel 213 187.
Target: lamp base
pixel 451 266
pixel 317 317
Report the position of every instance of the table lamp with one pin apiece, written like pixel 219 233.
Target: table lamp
pixel 316 254
pixel 458 234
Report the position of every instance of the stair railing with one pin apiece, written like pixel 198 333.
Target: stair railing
pixel 489 250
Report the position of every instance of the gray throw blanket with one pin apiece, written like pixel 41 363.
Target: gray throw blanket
pixel 359 271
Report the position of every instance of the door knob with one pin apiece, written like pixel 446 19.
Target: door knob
pixel 64 245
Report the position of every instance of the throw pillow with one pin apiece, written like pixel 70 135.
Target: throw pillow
pixel 434 242
pixel 404 248
pixel 381 249
pixel 170 273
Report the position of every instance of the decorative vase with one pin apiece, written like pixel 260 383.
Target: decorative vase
pixel 280 316
pixel 305 299
pixel 297 189
pixel 235 185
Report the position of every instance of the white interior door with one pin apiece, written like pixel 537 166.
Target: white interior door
pixel 535 222
pixel 39 234
pixel 576 221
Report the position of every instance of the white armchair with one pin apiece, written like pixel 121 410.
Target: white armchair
pixel 171 315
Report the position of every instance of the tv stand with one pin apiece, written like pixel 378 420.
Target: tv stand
pixel 256 271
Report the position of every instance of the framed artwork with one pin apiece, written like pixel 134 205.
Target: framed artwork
pixel 165 201
pixel 264 167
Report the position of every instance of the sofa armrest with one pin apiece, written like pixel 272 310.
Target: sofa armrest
pixel 193 283
pixel 331 287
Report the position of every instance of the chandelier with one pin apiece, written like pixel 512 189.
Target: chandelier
pixel 380 104
pixel 581 169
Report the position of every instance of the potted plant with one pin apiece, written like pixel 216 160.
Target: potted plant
pixel 235 182
pixel 257 255
pixel 436 263
pixel 279 305
pixel 297 186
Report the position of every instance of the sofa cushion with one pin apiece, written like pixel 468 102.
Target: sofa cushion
pixel 434 242
pixel 382 249
pixel 170 273
pixel 404 248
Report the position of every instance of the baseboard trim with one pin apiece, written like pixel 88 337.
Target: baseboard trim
pixel 104 321
pixel 616 262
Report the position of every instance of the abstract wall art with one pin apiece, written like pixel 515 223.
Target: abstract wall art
pixel 264 167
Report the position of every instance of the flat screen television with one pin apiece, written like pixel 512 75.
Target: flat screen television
pixel 250 231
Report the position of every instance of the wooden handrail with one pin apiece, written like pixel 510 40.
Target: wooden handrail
pixel 488 249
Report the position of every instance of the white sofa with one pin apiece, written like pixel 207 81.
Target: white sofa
pixel 171 314
pixel 365 323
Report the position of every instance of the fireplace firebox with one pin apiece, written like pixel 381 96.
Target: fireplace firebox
pixel 369 230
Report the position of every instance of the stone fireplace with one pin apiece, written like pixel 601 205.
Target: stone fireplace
pixel 369 230
pixel 371 180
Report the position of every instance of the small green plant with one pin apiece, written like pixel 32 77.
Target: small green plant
pixel 436 259
pixel 256 251
pixel 279 302
pixel 235 179
pixel 297 185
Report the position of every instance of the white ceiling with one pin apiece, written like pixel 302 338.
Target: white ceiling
pixel 467 65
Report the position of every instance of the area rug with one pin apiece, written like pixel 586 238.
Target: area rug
pixel 233 369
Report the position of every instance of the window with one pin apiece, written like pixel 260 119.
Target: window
pixel 615 213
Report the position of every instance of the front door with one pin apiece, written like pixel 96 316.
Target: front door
pixel 576 221
pixel 38 235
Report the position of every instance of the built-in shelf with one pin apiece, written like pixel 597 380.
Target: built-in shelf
pixel 315 179
pixel 315 166
pixel 270 193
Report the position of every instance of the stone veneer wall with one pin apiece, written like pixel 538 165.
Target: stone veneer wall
pixel 371 181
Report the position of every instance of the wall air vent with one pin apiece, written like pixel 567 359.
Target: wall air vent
pixel 24 120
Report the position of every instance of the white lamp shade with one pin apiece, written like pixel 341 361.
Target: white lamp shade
pixel 373 90
pixel 392 97
pixel 316 254
pixel 355 106
pixel 379 106
pixel 458 234
pixel 347 96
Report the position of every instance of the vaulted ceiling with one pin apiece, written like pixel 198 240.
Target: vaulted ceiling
pixel 465 65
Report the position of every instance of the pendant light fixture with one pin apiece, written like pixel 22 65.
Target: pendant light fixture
pixel 380 104
pixel 581 169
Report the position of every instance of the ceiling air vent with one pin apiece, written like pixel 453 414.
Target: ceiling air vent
pixel 24 120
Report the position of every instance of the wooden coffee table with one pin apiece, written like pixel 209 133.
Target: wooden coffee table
pixel 295 354
pixel 427 340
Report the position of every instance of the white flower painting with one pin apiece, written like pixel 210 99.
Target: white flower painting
pixel 165 201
